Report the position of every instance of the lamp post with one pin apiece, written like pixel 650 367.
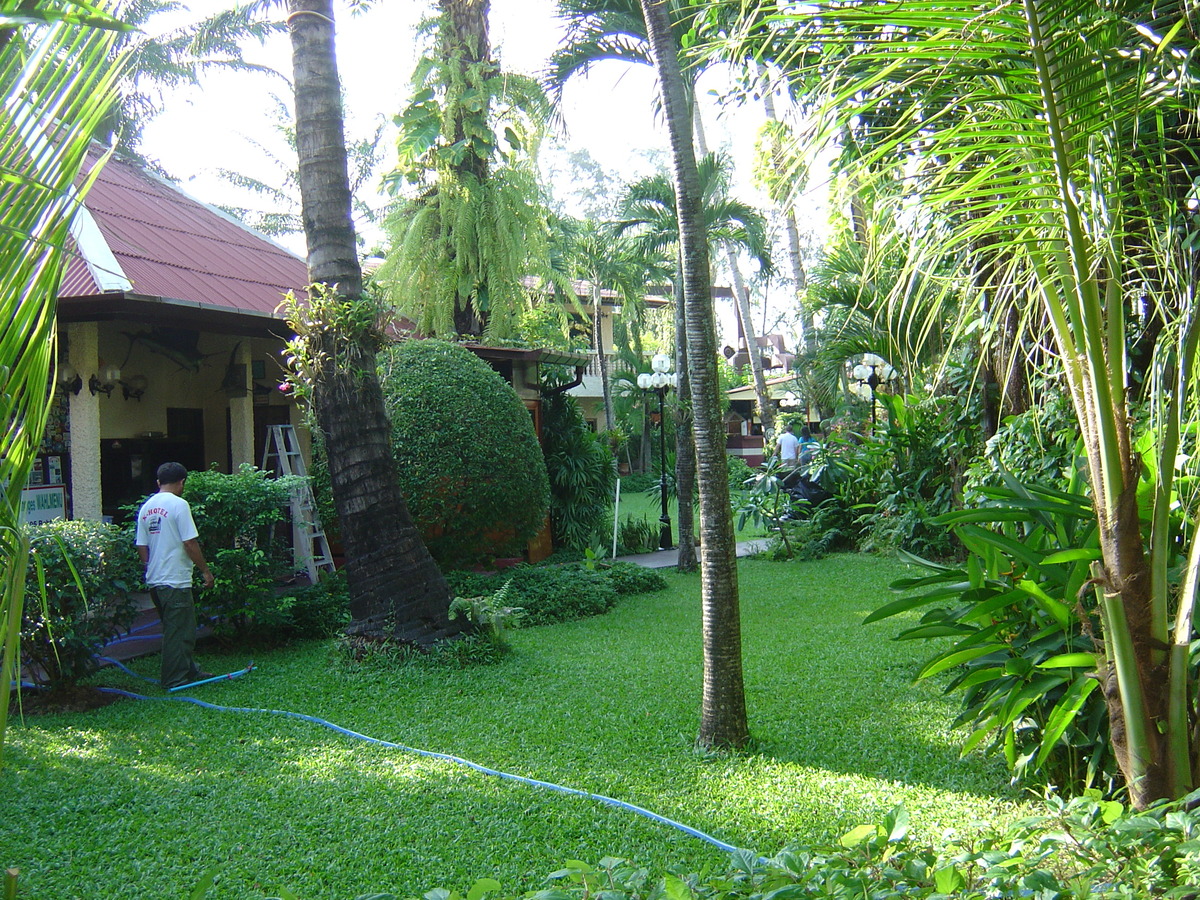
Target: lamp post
pixel 873 371
pixel 659 382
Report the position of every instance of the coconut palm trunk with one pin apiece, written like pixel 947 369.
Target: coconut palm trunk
pixel 685 445
pixel 723 711
pixel 396 590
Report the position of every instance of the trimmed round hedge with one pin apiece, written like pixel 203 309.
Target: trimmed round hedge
pixel 469 462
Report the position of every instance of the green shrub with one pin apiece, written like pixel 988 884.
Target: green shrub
pixel 235 515
pixel 630 578
pixel 639 534
pixel 1082 848
pixel 319 610
pixel 1039 443
pixel 89 570
pixel 638 483
pixel 739 471
pixel 582 475
pixel 893 482
pixel 469 462
pixel 546 594
pixel 459 652
pixel 1014 628
pixel 490 617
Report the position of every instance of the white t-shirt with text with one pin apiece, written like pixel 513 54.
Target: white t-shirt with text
pixel 164 522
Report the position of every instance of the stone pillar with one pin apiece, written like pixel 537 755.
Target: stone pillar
pixel 83 340
pixel 241 414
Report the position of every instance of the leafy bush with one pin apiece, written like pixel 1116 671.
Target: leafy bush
pixel 1020 649
pixel 318 610
pixel 638 534
pixel 739 471
pixel 1086 847
pixel 546 594
pixel 582 475
pixel 235 515
pixel 639 483
pixel 237 510
pixel 1039 443
pixel 489 615
pixel 89 570
pixel 893 483
pixel 469 463
pixel 460 652
pixel 630 578
pixel 766 503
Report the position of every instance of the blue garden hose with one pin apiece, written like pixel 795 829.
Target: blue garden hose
pixel 608 801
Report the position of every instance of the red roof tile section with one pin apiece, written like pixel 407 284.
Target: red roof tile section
pixel 174 247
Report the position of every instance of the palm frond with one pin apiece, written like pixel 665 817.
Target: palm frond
pixel 58 81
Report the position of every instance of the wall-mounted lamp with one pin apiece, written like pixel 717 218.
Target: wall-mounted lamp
pixel 104 382
pixel 69 379
pixel 135 387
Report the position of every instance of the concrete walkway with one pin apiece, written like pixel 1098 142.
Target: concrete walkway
pixel 666 559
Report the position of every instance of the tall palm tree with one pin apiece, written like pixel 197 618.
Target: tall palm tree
pixel 605 261
pixel 650 212
pixel 396 589
pixel 599 30
pixel 277 210
pixel 1056 130
pixel 723 710
pixel 58 81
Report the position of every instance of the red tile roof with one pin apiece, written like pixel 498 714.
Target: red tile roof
pixel 175 248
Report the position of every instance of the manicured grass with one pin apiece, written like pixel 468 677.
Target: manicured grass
pixel 141 798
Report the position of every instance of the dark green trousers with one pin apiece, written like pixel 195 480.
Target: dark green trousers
pixel 178 614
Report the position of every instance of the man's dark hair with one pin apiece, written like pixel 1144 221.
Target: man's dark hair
pixel 171 472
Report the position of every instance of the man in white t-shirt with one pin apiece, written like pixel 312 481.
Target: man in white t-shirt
pixel 789 447
pixel 169 545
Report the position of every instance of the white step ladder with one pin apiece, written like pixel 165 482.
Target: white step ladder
pixel 309 544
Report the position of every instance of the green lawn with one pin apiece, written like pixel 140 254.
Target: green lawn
pixel 141 798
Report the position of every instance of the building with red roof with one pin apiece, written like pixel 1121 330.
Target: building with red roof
pixel 170 340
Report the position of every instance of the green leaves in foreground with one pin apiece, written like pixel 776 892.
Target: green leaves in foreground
pixel 1020 647
pixel 1083 847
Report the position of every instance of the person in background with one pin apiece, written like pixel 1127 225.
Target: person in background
pixel 788 447
pixel 807 448
pixel 169 546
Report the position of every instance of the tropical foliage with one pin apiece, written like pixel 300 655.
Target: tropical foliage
pixel 57 82
pixel 583 475
pixel 85 573
pixel 475 229
pixel 238 518
pixel 1045 147
pixel 1021 647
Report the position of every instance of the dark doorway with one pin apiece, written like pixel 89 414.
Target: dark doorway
pixel 264 418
